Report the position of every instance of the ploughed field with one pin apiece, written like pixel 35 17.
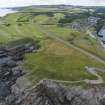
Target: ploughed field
pixel 54 60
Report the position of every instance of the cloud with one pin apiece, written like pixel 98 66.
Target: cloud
pixel 12 3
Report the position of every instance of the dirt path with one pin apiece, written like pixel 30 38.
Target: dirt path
pixel 51 35
pixel 45 31
pixel 90 70
pixel 93 71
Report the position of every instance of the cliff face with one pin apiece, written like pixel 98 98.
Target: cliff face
pixel 51 93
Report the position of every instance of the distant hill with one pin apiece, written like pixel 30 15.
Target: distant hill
pixel 61 6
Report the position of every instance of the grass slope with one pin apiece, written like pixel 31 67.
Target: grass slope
pixel 57 61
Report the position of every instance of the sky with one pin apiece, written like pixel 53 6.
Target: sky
pixel 15 3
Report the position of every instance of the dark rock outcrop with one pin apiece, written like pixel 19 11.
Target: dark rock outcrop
pixel 52 93
pixel 10 71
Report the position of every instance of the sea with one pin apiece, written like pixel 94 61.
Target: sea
pixel 4 12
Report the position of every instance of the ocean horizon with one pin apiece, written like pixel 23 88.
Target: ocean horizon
pixel 5 11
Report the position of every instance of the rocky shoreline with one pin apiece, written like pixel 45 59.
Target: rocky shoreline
pixel 11 71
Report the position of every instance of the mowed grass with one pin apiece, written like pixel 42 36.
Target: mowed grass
pixel 17 30
pixel 57 61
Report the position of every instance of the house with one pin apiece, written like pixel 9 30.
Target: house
pixel 101 34
pixel 92 20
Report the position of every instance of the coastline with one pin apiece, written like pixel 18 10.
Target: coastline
pixel 5 11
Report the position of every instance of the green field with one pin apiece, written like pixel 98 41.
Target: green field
pixel 54 60
pixel 57 61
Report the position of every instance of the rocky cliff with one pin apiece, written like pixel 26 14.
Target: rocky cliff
pixel 11 70
pixel 52 93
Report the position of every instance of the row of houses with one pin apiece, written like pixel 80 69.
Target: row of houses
pixel 82 24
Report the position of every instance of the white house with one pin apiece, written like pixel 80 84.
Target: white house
pixel 101 34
